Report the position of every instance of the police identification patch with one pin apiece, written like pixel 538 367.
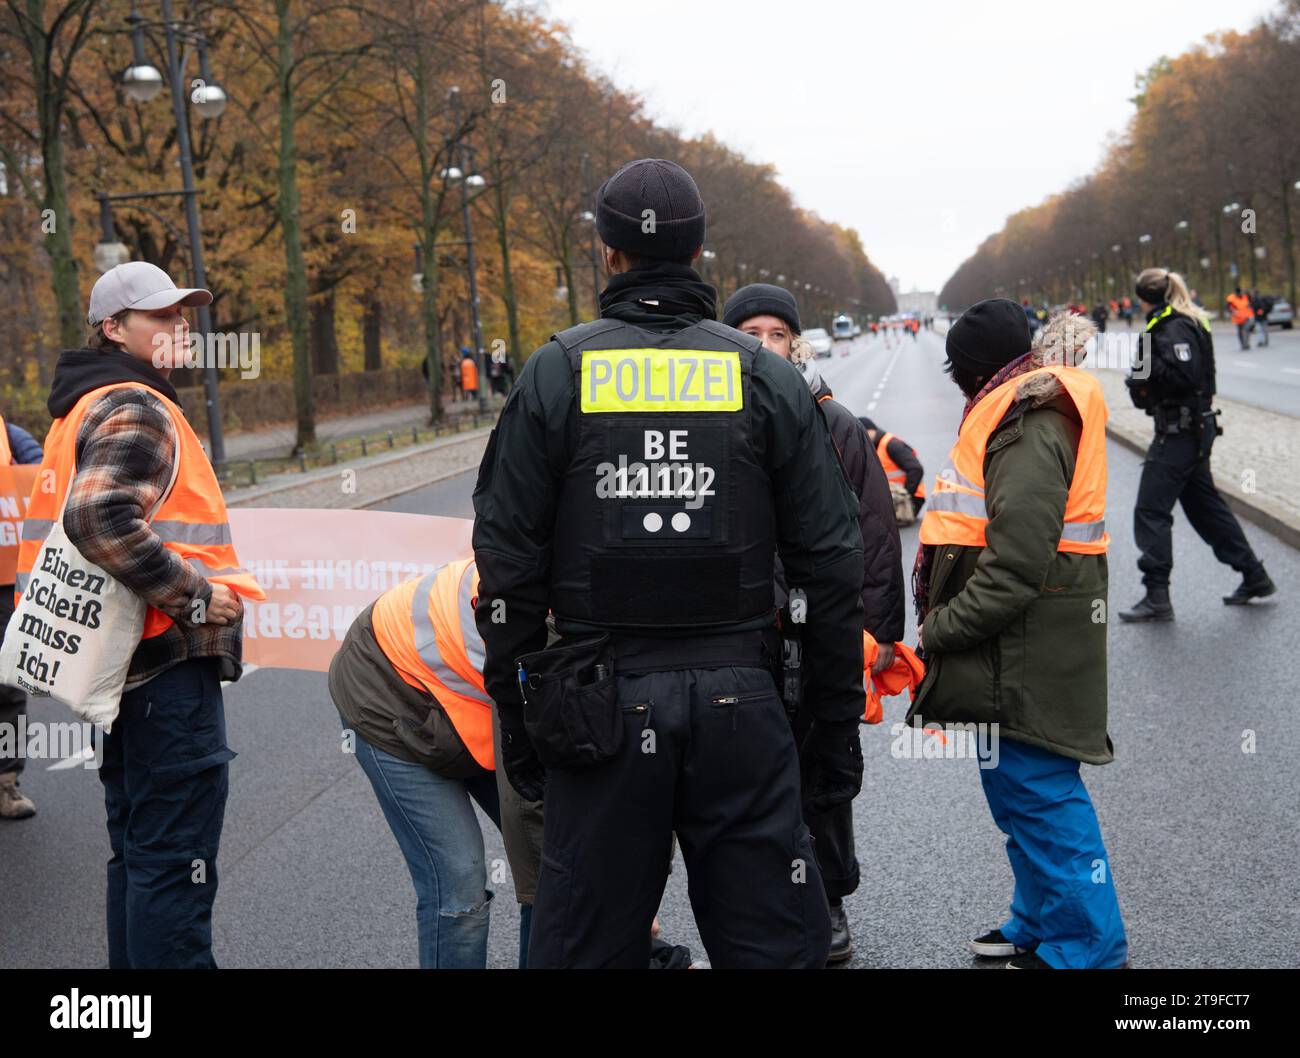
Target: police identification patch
pixel 1183 351
pixel 660 380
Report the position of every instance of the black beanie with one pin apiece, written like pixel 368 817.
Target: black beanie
pixel 988 336
pixel 668 191
pixel 761 299
pixel 868 424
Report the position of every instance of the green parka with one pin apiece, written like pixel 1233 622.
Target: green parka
pixel 1016 632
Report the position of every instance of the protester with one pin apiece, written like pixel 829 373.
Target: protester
pixel 119 426
pixel 17 447
pixel 407 683
pixel 1008 578
pixel 770 314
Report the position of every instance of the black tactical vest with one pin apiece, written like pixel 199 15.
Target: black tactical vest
pixel 665 517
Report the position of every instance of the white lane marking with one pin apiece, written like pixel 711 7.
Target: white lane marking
pixel 86 753
pixel 1238 362
pixel 1292 370
pixel 871 406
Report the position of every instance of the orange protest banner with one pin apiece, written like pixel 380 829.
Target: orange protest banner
pixel 320 568
pixel 16 484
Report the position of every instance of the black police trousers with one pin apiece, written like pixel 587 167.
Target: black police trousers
pixel 1174 471
pixel 832 832
pixel 708 753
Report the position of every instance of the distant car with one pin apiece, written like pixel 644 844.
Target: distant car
pixel 856 330
pixel 1281 314
pixel 841 327
pixel 819 340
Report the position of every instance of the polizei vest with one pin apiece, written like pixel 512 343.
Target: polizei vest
pixel 665 513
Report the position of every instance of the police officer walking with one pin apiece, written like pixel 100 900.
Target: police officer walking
pixel 1177 394
pixel 646 470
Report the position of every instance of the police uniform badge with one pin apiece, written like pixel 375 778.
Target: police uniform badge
pixel 1183 351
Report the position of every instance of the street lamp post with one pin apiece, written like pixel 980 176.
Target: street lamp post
pixel 142 82
pixel 590 218
pixel 467 180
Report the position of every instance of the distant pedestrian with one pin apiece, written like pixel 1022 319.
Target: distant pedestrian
pixel 1242 315
pixel 468 374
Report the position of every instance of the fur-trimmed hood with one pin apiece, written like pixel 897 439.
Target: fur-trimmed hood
pixel 1062 340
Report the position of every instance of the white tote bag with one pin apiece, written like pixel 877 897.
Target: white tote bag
pixel 73 632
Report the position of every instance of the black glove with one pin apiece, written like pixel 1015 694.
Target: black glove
pixel 1139 392
pixel 832 767
pixel 523 769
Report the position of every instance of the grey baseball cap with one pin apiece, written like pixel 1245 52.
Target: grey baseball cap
pixel 139 285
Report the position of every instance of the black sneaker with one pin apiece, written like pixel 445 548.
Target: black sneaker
pixel 841 939
pixel 1028 961
pixel 993 945
pixel 1256 586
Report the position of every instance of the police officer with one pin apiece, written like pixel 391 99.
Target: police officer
pixel 645 472
pixel 1177 393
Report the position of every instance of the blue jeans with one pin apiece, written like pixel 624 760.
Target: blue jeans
pixel 438 833
pixel 165 772
pixel 1064 906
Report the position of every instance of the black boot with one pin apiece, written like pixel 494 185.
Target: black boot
pixel 1154 606
pixel 1255 585
pixel 841 939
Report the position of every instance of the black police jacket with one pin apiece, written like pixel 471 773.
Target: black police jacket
pixel 813 511
pixel 1180 353
pixel 884 597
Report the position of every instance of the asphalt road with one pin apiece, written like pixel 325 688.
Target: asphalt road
pixel 1202 837
pixel 1267 377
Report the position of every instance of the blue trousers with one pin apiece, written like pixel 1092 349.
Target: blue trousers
pixel 1064 906
pixel 433 820
pixel 165 775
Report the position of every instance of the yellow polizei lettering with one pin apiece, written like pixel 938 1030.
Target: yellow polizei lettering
pixel 639 380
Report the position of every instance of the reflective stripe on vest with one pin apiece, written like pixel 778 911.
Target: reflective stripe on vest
pixel 956 512
pixel 191 521
pixel 425 627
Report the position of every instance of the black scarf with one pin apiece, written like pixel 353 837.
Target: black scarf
pixel 663 289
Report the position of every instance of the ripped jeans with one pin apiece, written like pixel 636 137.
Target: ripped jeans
pixel 435 826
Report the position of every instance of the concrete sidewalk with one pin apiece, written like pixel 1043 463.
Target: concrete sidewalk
pixel 1254 462
pixel 371 480
pixel 278 440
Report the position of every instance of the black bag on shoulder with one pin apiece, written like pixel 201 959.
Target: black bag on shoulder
pixel 571 707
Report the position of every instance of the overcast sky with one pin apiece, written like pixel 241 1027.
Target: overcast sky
pixel 922 123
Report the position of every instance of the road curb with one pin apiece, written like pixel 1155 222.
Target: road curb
pixel 1265 519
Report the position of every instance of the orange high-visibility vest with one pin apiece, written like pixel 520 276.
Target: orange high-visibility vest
pixel 956 514
pixel 191 520
pixel 426 629
pixel 893 471
pixel 8 552
pixel 1240 306
pixel 468 374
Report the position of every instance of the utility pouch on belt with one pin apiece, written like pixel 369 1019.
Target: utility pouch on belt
pixel 571 709
pixel 1208 426
pixel 1171 419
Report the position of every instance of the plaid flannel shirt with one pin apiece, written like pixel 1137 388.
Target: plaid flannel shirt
pixel 125 451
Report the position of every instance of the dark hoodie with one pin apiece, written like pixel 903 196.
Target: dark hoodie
pixel 125 450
